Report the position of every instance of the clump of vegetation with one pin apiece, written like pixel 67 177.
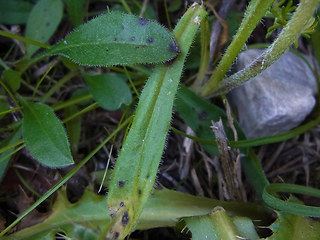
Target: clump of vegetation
pixel 113 82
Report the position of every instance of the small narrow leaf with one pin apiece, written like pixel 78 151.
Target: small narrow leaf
pixel 109 90
pixel 45 136
pixel 117 38
pixel 43 22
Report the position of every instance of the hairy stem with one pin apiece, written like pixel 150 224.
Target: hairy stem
pixel 253 16
pixel 298 23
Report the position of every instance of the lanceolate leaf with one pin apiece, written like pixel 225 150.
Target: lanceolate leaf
pixel 44 135
pixel 137 165
pixel 117 38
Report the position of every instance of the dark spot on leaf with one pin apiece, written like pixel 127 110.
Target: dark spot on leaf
pixel 173 47
pixel 120 184
pixel 139 191
pixel 203 115
pixel 133 38
pixel 150 40
pixel 143 21
pixel 147 177
pixel 125 219
pixel 115 39
pixel 121 204
pixel 122 27
pixel 116 235
pixel 48 24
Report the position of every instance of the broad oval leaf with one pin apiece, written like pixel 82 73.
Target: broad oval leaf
pixel 43 22
pixel 109 90
pixel 44 135
pixel 117 38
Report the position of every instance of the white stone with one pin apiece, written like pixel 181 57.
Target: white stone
pixel 276 100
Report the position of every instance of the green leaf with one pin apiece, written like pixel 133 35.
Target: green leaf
pixel 294 227
pixel 117 38
pixel 75 10
pixel 14 11
pixel 291 206
pixel 43 22
pixel 109 90
pixel 45 136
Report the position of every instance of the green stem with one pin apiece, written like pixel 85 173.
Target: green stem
pixel 274 202
pixel 9 146
pixel 70 102
pixel 23 39
pixel 126 6
pixel 287 37
pixel 254 142
pixel 60 83
pixel 83 111
pixel 42 79
pixel 255 12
